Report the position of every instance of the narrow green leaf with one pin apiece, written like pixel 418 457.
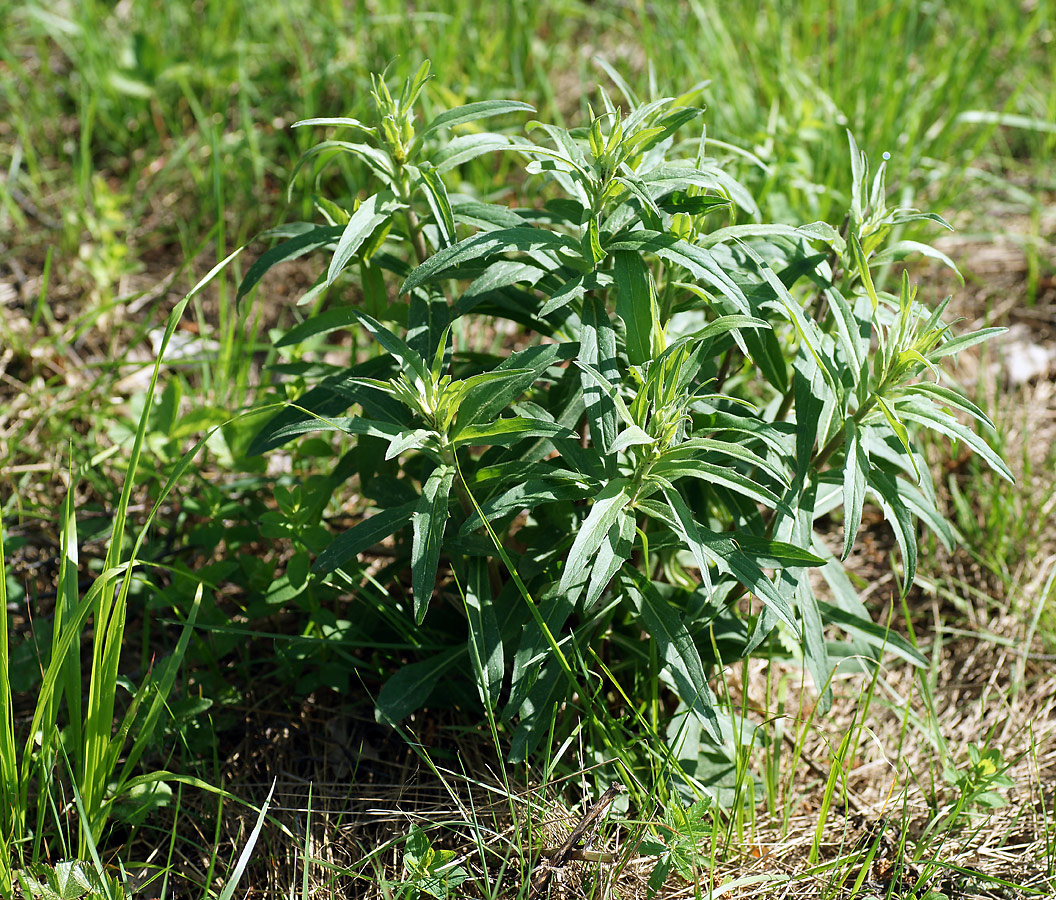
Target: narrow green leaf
pixel 946 424
pixel 631 436
pixel 597 349
pixel 465 147
pixel 378 160
pixel 439 204
pixel 483 246
pixel 771 554
pixel 474 112
pixel 862 265
pixel 534 650
pixel 336 120
pixel 503 432
pixel 527 495
pixel 674 468
pixel 637 189
pixel 957 344
pixel 693 448
pixel 700 262
pixel 806 328
pixel 726 553
pixel 329 320
pixel 569 291
pixel 637 305
pixel 848 332
pixel 162 688
pixel 485 641
pixel 429 520
pixel 371 213
pixel 605 510
pixel 687 530
pixel 900 249
pixel 349 544
pixel 411 438
pixel 876 635
pixel 900 430
pixel 394 345
pixel 855 466
pixel 896 513
pixel 676 648
pixel 291 249
pixel 410 688
pixel 814 647
pixel 481 397
pixel 614 551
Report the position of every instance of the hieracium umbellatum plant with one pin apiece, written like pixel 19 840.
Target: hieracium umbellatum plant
pixel 599 430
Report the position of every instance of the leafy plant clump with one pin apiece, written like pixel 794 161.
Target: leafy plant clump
pixel 597 432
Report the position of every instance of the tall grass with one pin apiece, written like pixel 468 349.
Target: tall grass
pixel 67 727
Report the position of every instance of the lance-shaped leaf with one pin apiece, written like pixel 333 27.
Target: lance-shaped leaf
pixel 686 528
pixel 342 121
pixel 637 305
pixel 329 320
pixel 393 345
pixel 605 510
pixel 957 344
pixel 597 350
pixel 929 416
pixel 855 467
pixel 896 513
pixel 614 551
pixel 429 520
pixel 900 430
pixel 485 642
pixel 727 554
pixel 349 544
pixel 460 150
pixel 534 646
pixel 409 439
pixel 410 688
pixel 943 396
pixel 694 447
pixel 344 424
pixel 474 112
pixel 439 204
pixel 876 635
pixel 527 496
pixel 489 393
pixel 377 159
pixel 485 245
pixel 806 328
pixel 862 265
pixel 849 335
pixel 676 648
pixel 700 262
pixel 673 469
pixel 504 432
pixel 371 213
pixel 295 247
pixel 500 274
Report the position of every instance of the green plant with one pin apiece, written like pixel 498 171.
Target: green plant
pixel 67 880
pixel 427 870
pixel 691 394
pixel 978 780
pixel 682 834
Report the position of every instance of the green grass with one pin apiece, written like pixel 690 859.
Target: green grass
pixel 141 146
